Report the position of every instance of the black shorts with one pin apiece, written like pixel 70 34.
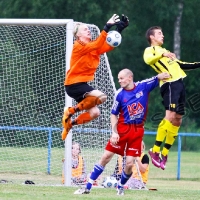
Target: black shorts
pixel 78 91
pixel 173 95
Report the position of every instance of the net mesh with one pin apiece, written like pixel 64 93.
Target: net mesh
pixel 32 66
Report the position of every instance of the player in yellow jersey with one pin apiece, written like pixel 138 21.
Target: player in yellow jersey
pixel 172 92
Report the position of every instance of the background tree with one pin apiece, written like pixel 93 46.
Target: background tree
pixel 179 20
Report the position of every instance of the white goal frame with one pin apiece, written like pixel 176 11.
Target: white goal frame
pixel 101 126
pixel 69 45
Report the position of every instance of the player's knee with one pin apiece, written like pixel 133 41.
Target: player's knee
pixel 174 118
pixel 107 156
pixel 177 120
pixel 177 123
pixel 103 98
pixel 94 112
pixel 129 166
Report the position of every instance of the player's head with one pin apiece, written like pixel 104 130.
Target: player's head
pixel 82 32
pixel 76 149
pixel 125 78
pixel 155 36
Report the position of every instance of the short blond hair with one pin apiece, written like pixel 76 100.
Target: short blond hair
pixel 76 28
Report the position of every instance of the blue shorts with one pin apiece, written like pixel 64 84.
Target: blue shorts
pixel 78 91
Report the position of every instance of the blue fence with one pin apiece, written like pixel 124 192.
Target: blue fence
pixel 50 131
pixel 180 135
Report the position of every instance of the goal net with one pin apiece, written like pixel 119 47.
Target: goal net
pixel 33 63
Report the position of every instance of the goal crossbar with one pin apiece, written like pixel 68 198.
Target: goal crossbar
pixel 38 22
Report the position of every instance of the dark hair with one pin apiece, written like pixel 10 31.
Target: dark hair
pixel 150 31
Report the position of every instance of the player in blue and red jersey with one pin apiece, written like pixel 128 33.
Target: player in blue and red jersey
pixel 127 120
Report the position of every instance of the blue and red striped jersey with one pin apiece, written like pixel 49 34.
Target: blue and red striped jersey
pixel 132 105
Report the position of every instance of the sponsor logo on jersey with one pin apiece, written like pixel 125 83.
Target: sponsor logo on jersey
pixel 170 61
pixel 139 94
pixel 135 117
pixel 135 109
pixel 132 149
pixel 115 146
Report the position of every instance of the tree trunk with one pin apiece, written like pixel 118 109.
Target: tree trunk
pixel 177 27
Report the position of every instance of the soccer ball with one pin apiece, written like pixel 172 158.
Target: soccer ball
pixel 114 38
pixel 110 182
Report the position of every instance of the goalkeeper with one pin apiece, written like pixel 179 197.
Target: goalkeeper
pixel 172 92
pixel 127 120
pixel 85 59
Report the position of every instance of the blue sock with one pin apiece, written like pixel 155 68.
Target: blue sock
pixel 98 169
pixel 124 179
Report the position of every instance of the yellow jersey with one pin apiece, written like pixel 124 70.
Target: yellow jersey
pixel 153 57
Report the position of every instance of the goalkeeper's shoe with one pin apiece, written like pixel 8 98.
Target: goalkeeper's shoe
pixel 155 158
pixel 82 191
pixel 66 116
pixel 66 129
pixel 66 122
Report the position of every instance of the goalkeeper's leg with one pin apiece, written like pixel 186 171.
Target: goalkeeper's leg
pixel 88 103
pixel 81 119
pixel 90 100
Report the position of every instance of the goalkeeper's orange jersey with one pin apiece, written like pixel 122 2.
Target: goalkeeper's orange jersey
pixel 85 59
pixel 153 57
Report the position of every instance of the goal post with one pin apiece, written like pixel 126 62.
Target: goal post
pixel 35 54
pixel 23 38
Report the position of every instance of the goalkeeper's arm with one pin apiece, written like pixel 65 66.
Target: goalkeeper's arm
pixel 111 22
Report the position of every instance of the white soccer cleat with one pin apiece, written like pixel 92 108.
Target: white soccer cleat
pixel 82 191
pixel 120 191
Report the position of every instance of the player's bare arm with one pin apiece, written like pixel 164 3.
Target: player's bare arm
pixel 115 136
pixel 163 76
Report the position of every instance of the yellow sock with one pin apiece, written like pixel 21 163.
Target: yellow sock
pixel 165 151
pixel 170 138
pixel 161 134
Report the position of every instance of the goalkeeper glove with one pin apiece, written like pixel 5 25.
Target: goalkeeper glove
pixel 122 24
pixel 111 22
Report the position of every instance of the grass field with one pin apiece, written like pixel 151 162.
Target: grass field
pixel 188 187
pixel 167 189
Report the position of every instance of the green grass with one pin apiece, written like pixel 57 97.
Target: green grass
pixel 167 189
pixel 188 187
